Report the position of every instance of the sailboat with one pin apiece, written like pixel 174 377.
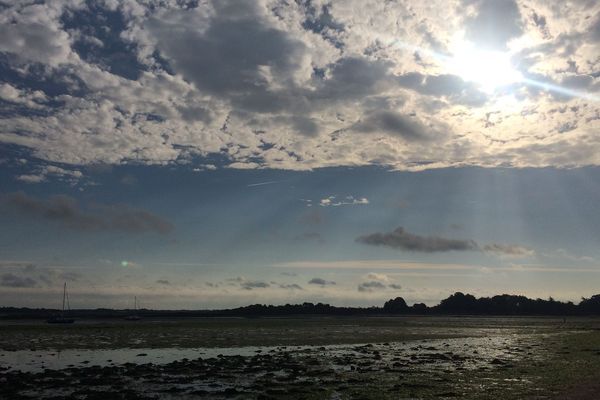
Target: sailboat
pixel 61 318
pixel 134 316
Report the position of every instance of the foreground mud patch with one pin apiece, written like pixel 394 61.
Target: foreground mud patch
pixel 424 368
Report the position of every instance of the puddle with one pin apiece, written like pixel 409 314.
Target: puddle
pixel 469 352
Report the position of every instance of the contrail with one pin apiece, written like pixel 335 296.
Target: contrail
pixel 263 183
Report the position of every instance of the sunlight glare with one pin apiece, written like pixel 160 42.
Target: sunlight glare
pixel 488 69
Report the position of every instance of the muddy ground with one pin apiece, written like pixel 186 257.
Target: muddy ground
pixel 308 358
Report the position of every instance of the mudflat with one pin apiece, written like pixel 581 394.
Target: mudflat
pixel 300 358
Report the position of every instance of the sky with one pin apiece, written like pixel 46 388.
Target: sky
pixel 212 154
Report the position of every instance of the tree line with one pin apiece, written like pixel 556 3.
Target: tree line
pixel 456 304
pixel 505 304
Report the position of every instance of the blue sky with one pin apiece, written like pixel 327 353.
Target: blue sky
pixel 213 154
pixel 228 233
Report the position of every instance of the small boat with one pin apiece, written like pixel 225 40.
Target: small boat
pixel 134 316
pixel 61 318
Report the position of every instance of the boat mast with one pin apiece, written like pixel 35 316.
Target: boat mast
pixel 64 296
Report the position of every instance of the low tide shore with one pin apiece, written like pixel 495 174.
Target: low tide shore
pixel 299 358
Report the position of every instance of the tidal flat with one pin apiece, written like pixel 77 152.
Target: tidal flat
pixel 303 358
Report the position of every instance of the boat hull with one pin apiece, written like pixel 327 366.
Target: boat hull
pixel 60 320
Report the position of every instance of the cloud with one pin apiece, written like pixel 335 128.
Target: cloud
pixel 378 277
pixel 18 264
pixel 30 178
pixel 371 286
pixel 320 282
pixel 377 282
pixel 11 280
pixel 296 85
pixel 331 201
pixel 494 22
pixel 67 211
pixel 454 88
pixel 393 123
pixel 238 54
pixel 375 264
pixel 291 286
pixel 34 34
pixel 510 250
pixel 403 240
pixel 249 285
pixel 44 172
pixel 163 282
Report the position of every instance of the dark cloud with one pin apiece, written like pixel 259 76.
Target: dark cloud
pixel 394 286
pixel 402 240
pixel 163 282
pixel 18 264
pixel 371 286
pixel 390 122
pixel 495 23
pixel 320 281
pixel 541 23
pixel 249 285
pixel 227 54
pixel 453 87
pixel 24 274
pixel 594 31
pixel 304 126
pixel 16 281
pixel 67 211
pixel 508 250
pixel 291 286
pixel 353 78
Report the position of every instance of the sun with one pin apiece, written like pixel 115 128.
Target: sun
pixel 490 70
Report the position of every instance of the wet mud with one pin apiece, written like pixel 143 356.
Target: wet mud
pixel 505 363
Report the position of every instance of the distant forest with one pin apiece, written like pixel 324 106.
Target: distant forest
pixel 456 304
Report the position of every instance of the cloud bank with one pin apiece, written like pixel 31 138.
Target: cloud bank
pixel 67 212
pixel 403 240
pixel 295 85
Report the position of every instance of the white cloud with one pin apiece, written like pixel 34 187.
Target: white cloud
pixel 333 201
pixel 293 87
pixel 44 172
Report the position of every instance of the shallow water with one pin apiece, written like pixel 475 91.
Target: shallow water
pixel 476 350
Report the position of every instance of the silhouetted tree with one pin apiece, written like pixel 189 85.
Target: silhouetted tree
pixel 591 305
pixel 395 306
pixel 459 303
pixel 419 308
